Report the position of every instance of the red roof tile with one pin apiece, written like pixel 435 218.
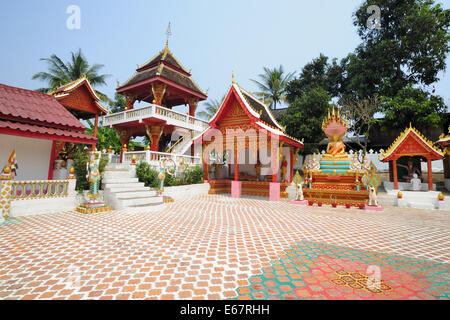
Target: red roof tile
pixel 38 131
pixel 35 107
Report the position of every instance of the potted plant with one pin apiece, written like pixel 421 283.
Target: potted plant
pixel 399 195
pixel 441 196
pixel 310 202
pixel 319 204
pixel 361 206
pixel 348 205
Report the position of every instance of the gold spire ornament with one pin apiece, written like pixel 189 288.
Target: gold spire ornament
pixel 232 77
pixel 168 34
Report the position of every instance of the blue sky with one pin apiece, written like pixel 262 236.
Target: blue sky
pixel 213 38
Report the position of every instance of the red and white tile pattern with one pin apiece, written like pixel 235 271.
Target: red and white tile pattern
pixel 202 248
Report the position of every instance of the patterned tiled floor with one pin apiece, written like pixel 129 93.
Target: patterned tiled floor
pixel 215 247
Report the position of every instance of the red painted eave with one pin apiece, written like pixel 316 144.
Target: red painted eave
pixel 164 80
pixel 46 133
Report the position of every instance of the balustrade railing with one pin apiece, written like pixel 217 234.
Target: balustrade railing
pixel 156 111
pixel 21 190
pixel 152 157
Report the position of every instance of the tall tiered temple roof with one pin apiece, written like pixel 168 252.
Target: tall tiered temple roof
pixel 163 68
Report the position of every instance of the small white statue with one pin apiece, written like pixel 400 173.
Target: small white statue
pixel 299 191
pixel 373 199
pixel 416 183
pixel 315 164
pixel 355 165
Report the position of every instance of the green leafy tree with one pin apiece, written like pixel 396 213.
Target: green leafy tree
pixel 318 73
pixel 303 118
pixel 60 73
pixel 412 105
pixel 272 85
pixel 118 104
pixel 410 47
pixel 211 108
pixel 105 137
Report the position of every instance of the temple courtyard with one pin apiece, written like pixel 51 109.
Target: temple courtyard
pixel 217 247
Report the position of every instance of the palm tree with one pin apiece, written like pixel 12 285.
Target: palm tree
pixel 211 108
pixel 60 73
pixel 273 85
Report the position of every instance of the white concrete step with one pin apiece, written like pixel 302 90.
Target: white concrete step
pixel 117 167
pixel 120 180
pixel 124 191
pixel 133 202
pixel 132 187
pixel 135 194
pixel 421 205
pixel 117 175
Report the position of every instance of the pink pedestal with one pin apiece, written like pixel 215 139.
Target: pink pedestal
pixel 373 208
pixel 299 202
pixel 274 193
pixel 236 189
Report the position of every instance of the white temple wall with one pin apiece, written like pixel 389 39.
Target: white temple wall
pixel 33 156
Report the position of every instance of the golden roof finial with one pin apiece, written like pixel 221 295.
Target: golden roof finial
pixel 168 34
pixel 410 126
pixel 333 115
pixel 232 77
pixel 328 114
pixel 118 83
pixel 339 114
pixel 263 98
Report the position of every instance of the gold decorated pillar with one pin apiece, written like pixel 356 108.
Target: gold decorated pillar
pixel 130 100
pixel 193 103
pixel 158 91
pixel 154 134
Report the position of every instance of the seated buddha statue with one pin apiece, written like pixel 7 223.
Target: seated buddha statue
pixel 335 146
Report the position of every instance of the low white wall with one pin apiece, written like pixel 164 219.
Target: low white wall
pixel 187 191
pixel 33 156
pixel 37 206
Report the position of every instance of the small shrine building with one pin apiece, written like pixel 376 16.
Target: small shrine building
pixel 163 82
pixel 405 156
pixel 245 150
pixel 36 126
pixel 80 98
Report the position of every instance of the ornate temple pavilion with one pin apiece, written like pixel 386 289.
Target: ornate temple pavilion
pixel 163 82
pixel 405 155
pixel 37 126
pixel 259 155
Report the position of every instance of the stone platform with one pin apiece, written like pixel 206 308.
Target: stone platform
pixel 420 200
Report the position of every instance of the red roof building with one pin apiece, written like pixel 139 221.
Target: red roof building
pixel 245 128
pixel 411 144
pixel 27 116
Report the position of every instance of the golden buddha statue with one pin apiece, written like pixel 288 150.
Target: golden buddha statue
pixel 336 146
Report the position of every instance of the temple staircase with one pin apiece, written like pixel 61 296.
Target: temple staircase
pixel 122 190
pixel 183 145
